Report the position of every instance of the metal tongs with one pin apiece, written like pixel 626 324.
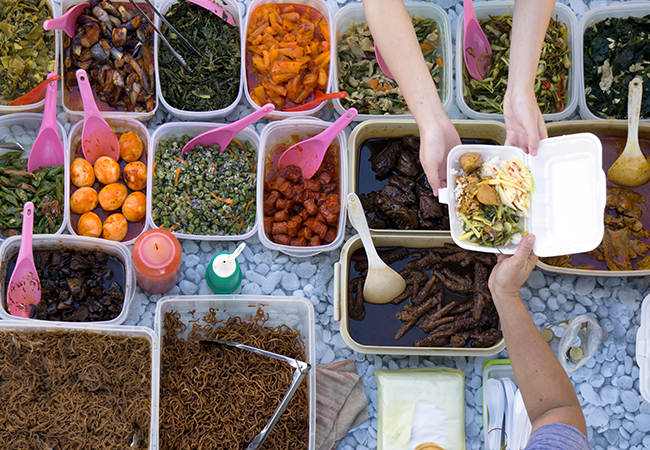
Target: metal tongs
pixel 180 59
pixel 302 369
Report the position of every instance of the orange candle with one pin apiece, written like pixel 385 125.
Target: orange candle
pixel 157 261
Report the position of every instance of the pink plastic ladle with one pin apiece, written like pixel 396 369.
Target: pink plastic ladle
pixel 308 154
pixel 476 47
pixel 218 10
pixel 47 150
pixel 68 21
pixel 24 291
pixel 223 135
pixel 382 64
pixel 97 137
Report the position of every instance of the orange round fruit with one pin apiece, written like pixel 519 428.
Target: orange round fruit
pixel 111 197
pixel 115 227
pixel 135 206
pixel 90 225
pixel 107 170
pixel 83 200
pixel 130 146
pixel 135 175
pixel 82 173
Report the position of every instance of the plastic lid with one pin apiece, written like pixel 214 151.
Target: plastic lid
pixel 643 350
pixel 223 267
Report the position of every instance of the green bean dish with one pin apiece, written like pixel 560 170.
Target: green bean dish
pixel 207 193
pixel 486 95
pixel 369 90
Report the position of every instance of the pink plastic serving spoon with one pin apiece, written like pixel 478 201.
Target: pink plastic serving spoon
pixel 24 290
pixel 223 135
pixel 47 150
pixel 308 154
pixel 476 47
pixel 97 138
pixel 382 63
pixel 319 97
pixel 68 21
pixel 218 10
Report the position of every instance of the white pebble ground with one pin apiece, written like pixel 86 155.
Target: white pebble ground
pixel 608 386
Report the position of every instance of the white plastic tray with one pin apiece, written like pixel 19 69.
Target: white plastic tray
pixel 64 241
pixel 276 133
pixel 295 312
pixel 560 12
pixel 32 122
pixel 568 203
pixel 593 16
pixel 643 349
pixel 321 7
pixel 178 129
pixel 231 7
pixel 354 13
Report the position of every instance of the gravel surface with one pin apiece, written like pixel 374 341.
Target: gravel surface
pixel 607 386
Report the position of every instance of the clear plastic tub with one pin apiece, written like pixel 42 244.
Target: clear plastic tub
pixel 643 349
pixel 295 312
pixel 276 133
pixel 342 270
pixel 38 106
pixel 48 242
pixel 354 13
pixel 593 16
pixel 119 125
pixel 129 331
pixel 74 110
pixel 31 123
pixel 179 129
pixel 231 7
pixel 321 7
pixel 567 204
pixel 562 13
pixel 494 368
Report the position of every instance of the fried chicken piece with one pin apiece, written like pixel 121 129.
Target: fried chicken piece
pixel 410 315
pixel 430 288
pixel 486 339
pixel 454 282
pixel 431 341
pixel 460 339
pixel 431 322
pixel 480 288
pixel 356 309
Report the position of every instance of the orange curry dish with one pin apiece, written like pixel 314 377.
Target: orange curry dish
pixel 287 54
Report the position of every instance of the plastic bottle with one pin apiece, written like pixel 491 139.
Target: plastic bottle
pixel 223 274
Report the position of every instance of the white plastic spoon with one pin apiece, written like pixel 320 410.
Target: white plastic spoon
pixel 510 389
pixel 495 399
pixel 382 283
pixel 522 423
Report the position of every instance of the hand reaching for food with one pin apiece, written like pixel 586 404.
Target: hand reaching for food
pixel 436 140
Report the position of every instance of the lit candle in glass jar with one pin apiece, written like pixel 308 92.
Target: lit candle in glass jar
pixel 157 261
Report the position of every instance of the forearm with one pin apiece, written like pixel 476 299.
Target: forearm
pixel 546 389
pixel 530 22
pixel 393 33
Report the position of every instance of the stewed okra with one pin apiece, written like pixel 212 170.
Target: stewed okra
pixel 207 193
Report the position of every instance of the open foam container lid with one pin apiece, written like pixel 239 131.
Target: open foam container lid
pixel 568 202
pixel 643 349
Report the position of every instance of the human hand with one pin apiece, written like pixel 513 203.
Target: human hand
pixel 512 271
pixel 436 140
pixel 524 122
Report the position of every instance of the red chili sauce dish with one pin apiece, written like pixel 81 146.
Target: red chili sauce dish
pixel 299 212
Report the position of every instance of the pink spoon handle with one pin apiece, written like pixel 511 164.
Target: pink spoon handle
pixel 327 136
pixel 27 230
pixel 216 9
pixel 470 14
pixel 242 123
pixel 87 97
pixel 49 112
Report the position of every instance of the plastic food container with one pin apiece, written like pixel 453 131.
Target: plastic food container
pixel 38 106
pixel 74 110
pixel 563 14
pixel 354 13
pixel 276 133
pixel 342 270
pixel 294 312
pixel 48 242
pixel 231 7
pixel 643 349
pixel 593 16
pixel 321 7
pixel 31 123
pixel 129 331
pixel 494 368
pixel 119 125
pixel 600 127
pixel 394 127
pixel 568 201
pixel 179 129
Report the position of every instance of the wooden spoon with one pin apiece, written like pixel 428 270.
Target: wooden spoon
pixel 382 283
pixel 631 169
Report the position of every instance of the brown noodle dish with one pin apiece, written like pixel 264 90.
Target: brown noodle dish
pixel 619 249
pixel 219 397
pixel 74 390
pixel 428 276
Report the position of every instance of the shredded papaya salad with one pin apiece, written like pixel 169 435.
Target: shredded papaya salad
pixel 493 199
